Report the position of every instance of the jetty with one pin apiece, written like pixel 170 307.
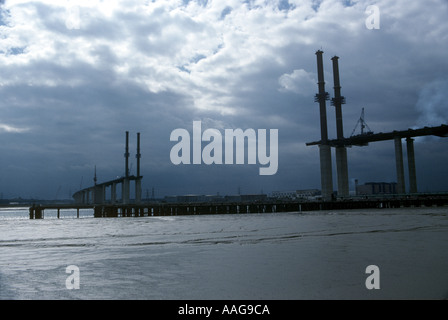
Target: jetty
pixel 37 211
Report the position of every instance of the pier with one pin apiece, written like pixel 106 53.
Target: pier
pixel 179 209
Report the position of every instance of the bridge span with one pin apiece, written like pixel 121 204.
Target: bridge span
pixel 97 193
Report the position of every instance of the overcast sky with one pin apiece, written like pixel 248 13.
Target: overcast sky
pixel 75 75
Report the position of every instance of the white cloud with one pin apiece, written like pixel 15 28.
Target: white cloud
pixel 203 50
pixel 299 81
pixel 152 43
pixel 12 129
pixel 417 22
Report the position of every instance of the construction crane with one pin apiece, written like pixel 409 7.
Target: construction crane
pixel 363 124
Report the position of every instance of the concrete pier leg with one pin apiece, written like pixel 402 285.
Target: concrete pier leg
pixel 103 194
pixel 399 166
pixel 342 171
pixel 125 191
pixel 341 152
pixel 324 149
pixel 326 172
pixel 411 165
pixel 138 190
pixel 113 193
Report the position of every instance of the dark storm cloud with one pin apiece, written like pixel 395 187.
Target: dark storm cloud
pixel 75 77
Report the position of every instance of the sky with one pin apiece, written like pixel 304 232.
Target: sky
pixel 76 75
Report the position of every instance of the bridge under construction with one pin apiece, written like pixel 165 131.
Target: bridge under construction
pixel 341 143
pixel 95 197
pixel 97 193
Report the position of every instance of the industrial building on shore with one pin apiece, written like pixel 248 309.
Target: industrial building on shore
pixel 376 188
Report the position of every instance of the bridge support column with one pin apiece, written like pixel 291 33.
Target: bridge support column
pixel 326 175
pixel 411 165
pixel 113 193
pixel 138 181
pixel 125 190
pixel 103 194
pixel 341 152
pixel 98 194
pixel 342 171
pixel 138 190
pixel 399 165
pixel 82 198
pixel 324 148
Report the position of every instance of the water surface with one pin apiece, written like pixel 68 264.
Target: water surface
pixel 308 255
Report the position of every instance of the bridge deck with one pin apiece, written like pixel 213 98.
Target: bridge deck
pixel 364 139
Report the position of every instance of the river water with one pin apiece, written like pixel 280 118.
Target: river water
pixel 307 255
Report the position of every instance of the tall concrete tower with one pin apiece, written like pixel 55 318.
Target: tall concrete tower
pixel 341 151
pixel 125 186
pixel 326 174
pixel 138 180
